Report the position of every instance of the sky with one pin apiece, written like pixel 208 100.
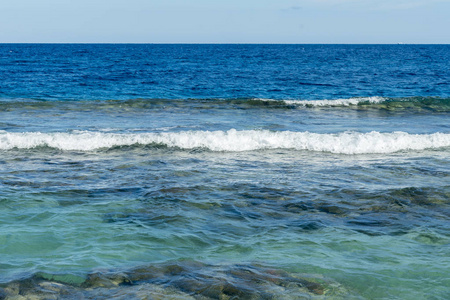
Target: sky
pixel 230 21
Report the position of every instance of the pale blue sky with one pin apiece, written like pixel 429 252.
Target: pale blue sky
pixel 231 21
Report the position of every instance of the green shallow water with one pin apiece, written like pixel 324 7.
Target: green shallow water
pixel 376 224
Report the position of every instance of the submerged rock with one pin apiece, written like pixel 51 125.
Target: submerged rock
pixel 181 280
pixel 98 279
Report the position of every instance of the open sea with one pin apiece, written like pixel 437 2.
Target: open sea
pixel 182 171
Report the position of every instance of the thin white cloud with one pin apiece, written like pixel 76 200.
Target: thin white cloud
pixel 293 8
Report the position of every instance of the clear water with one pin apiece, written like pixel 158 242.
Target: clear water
pixel 119 156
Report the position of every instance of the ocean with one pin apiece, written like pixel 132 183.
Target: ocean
pixel 180 171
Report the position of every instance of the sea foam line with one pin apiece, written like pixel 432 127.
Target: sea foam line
pixel 231 140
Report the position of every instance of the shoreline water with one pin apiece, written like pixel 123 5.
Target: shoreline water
pixel 215 173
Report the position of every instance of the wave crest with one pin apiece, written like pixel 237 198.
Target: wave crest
pixel 231 140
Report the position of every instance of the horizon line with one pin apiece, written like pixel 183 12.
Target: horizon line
pixel 213 43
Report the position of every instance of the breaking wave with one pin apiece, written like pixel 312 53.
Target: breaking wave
pixel 335 102
pixel 415 104
pixel 231 140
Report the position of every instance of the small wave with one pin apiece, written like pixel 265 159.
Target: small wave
pixel 414 104
pixel 231 141
pixel 336 102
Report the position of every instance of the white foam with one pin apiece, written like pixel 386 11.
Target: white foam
pixel 232 140
pixel 335 102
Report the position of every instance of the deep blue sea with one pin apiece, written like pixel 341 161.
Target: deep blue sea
pixel 181 171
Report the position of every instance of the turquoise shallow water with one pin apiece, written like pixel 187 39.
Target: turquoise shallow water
pixel 271 194
pixel 336 215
